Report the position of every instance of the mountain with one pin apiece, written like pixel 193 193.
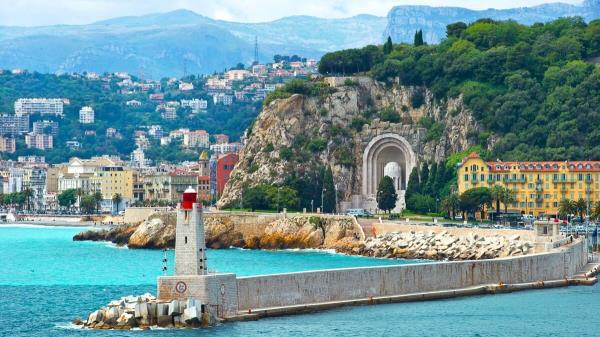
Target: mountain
pixel 160 44
pixel 403 21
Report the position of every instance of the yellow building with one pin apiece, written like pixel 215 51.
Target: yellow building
pixel 111 180
pixel 539 186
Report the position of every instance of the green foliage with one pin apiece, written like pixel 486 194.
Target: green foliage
pixel 386 194
pixel 358 123
pixel 67 198
pixel 421 203
pixel 268 148
pixel 517 80
pixel 414 183
pixel 389 115
pixel 418 38
pixel 388 46
pixel 350 83
pixel 317 145
pixel 285 153
pixel 417 99
pixel 350 61
pixel 475 199
pixel 87 204
pixel 329 191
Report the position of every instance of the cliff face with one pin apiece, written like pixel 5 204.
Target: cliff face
pixel 290 125
pixel 403 21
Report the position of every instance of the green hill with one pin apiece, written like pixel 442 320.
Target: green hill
pixel 530 87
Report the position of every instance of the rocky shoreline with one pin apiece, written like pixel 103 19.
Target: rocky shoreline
pixel 342 234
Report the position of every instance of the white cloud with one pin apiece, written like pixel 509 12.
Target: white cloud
pixel 44 12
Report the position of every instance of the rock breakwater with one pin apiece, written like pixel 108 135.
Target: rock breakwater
pixel 145 312
pixel 443 246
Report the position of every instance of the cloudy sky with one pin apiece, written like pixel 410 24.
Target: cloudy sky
pixel 47 12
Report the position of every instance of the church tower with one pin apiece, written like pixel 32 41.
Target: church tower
pixel 203 169
pixel 190 246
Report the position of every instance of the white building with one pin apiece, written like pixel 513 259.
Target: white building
pixel 155 131
pixel 39 141
pixel 134 103
pixel 198 138
pixel 86 115
pixel 138 159
pixel 183 86
pixel 197 105
pixel 226 148
pixel 222 98
pixel 169 113
pixel 237 75
pixel 42 106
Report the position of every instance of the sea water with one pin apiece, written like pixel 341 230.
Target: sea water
pixel 47 280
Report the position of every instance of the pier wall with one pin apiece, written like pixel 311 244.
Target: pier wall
pixel 356 283
pixel 388 227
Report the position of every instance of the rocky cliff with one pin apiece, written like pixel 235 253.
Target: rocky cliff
pixel 354 111
pixel 224 231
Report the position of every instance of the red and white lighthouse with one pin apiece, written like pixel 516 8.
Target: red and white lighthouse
pixel 190 245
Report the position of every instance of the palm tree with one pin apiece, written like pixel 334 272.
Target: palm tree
pixel 596 211
pixel 581 208
pixel 97 198
pixel 508 197
pixel 116 199
pixel 28 193
pixel 565 208
pixel 451 204
pixel 497 192
pixel 79 192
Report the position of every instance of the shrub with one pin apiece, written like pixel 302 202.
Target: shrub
pixel 389 115
pixel 317 145
pixel 285 153
pixel 268 148
pixel 358 123
pixel 421 203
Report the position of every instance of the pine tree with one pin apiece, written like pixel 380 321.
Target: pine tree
pixel 440 180
pixel 430 185
pixel 419 38
pixel 413 185
pixel 424 175
pixel 328 192
pixel 388 46
pixel 386 194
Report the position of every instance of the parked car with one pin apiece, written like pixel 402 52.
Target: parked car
pixel 358 212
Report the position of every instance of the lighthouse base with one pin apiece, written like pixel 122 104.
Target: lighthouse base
pixel 217 291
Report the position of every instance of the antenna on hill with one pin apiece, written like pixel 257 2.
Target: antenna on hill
pixel 255 49
pixel 185 73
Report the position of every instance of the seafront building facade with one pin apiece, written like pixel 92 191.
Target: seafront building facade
pixel 539 186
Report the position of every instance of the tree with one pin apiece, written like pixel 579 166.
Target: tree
pixel 97 199
pixel 414 184
pixel 329 191
pixel 116 199
pixel 475 199
pixel 497 195
pixel 418 38
pixel 67 198
pixel 420 203
pixel 596 211
pixel 388 46
pixel 429 188
pixel 566 207
pixel 580 207
pixel 87 204
pixel 386 194
pixel 424 175
pixel 27 194
pixel 256 198
pixel 455 29
pixel 450 204
pixel 440 180
pixel 508 197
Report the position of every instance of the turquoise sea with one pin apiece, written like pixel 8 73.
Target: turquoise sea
pixel 47 280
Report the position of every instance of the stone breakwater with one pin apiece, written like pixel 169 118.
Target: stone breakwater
pixel 443 246
pixel 145 312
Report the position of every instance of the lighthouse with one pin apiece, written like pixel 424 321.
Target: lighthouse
pixel 190 245
pixel 217 292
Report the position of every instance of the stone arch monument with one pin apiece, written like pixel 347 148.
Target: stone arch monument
pixel 387 154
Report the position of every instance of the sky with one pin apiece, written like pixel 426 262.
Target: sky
pixel 51 12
